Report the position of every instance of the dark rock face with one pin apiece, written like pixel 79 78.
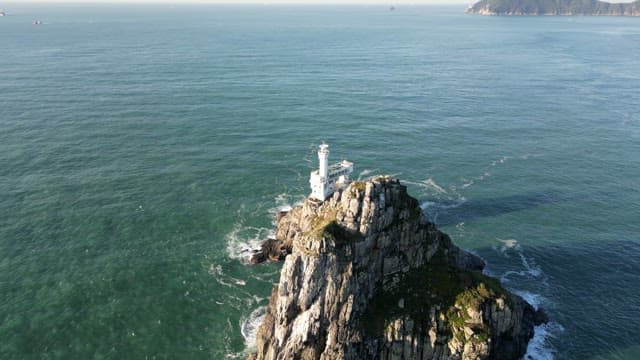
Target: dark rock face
pixel 367 277
pixel 553 7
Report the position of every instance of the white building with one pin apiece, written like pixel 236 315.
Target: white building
pixel 327 179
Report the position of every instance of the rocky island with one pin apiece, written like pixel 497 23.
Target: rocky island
pixel 366 276
pixel 554 7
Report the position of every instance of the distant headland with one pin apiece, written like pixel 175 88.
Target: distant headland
pixel 554 7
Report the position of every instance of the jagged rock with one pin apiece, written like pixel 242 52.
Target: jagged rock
pixel 367 277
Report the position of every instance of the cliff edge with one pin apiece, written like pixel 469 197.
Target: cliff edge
pixel 368 277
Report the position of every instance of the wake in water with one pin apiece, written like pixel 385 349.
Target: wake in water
pixel 428 185
pixel 367 173
pixel 223 279
pixel 451 197
pixel 531 269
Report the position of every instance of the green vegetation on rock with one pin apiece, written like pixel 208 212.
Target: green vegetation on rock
pixel 342 234
pixel 438 284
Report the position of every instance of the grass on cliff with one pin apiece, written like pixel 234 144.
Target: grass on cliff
pixel 437 283
pixel 342 234
pixel 327 226
pixel 357 186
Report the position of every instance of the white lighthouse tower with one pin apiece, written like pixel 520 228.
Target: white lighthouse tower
pixel 323 160
pixel 327 179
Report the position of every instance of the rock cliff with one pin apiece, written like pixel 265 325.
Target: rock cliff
pixel 367 277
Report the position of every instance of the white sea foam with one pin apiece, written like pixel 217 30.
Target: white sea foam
pixel 284 203
pixel 285 200
pixel 467 184
pixel 430 183
pixel 507 244
pixel 484 176
pixel 249 326
pixel 244 241
pixel 445 205
pixel 532 268
pixel 536 300
pixel 502 160
pixel 239 355
pixel 224 279
pixel 540 347
pixel 282 199
pixel 523 273
pixel 432 208
pixel 366 172
pixel 527 156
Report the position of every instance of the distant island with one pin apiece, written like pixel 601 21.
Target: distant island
pixel 554 7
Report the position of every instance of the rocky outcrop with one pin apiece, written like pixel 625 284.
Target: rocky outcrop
pixel 554 7
pixel 368 277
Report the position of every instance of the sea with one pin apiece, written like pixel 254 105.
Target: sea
pixel 145 148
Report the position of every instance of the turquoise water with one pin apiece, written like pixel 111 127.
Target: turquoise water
pixel 142 147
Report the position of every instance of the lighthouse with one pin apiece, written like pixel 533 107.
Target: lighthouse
pixel 328 179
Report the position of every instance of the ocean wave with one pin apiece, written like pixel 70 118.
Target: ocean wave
pixel 431 184
pixel 443 205
pixel 366 172
pixel 284 203
pixel 249 326
pixel 223 279
pixel 285 200
pixel 536 300
pixel 531 269
pixel 540 347
pixel 466 183
pixel 432 209
pixel 228 341
pixel 508 244
pixel 502 160
pixel 243 241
